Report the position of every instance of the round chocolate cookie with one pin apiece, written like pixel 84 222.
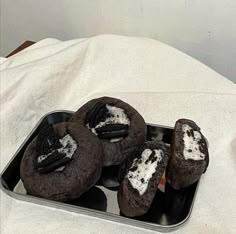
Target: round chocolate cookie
pixel 117 124
pixel 189 155
pixel 62 162
pixel 142 176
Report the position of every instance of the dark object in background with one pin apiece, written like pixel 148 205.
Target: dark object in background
pixel 20 48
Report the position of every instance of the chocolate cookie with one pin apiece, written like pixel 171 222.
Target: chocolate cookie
pixel 62 162
pixel 189 155
pixel 117 124
pixel 142 176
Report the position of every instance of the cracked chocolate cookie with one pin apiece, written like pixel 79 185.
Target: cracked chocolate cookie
pixel 62 162
pixel 118 125
pixel 189 155
pixel 140 178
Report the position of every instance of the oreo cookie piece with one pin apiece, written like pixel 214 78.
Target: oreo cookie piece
pixel 189 155
pixel 142 176
pixel 119 127
pixel 62 162
pixel 52 152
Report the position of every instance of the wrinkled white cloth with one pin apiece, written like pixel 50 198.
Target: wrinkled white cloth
pixel 162 83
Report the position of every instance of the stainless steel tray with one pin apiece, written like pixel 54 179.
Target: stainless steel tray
pixel 169 210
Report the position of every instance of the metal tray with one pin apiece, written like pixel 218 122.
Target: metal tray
pixel 169 210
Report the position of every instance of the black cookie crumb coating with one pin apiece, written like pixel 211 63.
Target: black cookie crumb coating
pixel 180 172
pixel 79 175
pixel 130 201
pixel 115 152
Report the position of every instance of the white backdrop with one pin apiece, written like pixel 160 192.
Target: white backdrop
pixel 205 30
pixel 54 75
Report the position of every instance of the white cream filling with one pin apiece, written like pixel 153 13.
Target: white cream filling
pixel 191 144
pixel 118 116
pixel 116 139
pixel 139 178
pixel 68 148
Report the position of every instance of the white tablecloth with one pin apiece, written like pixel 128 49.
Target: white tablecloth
pixel 163 84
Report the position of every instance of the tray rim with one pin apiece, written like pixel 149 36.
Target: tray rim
pixel 86 211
